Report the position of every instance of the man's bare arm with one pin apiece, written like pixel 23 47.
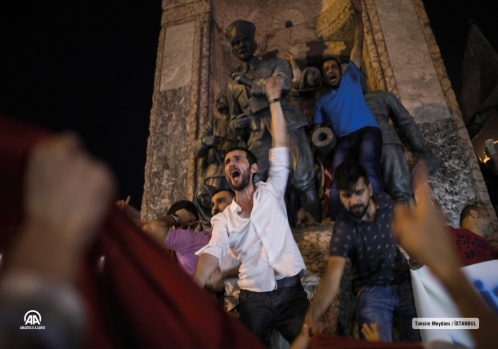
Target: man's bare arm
pixel 326 292
pixel 158 229
pixel 273 89
pixel 356 52
pixel 205 267
pixel 216 281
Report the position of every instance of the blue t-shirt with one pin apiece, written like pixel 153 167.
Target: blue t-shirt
pixel 345 106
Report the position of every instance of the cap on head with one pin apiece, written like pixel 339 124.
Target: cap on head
pixel 240 28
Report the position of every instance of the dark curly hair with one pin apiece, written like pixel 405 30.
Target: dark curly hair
pixel 188 205
pixel 249 155
pixel 347 174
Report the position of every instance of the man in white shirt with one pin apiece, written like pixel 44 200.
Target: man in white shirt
pixel 255 227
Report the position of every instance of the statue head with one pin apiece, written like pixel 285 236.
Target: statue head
pixel 222 103
pixel 240 34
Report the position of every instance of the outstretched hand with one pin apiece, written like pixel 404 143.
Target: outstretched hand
pixel 371 332
pixel 421 230
pixel 121 204
pixel 273 86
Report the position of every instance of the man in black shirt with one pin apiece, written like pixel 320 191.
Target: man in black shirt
pixel 381 278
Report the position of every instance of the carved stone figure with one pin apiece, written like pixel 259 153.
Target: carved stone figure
pixel 215 138
pixel 249 110
pixel 405 133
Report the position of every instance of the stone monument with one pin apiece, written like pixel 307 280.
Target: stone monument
pixel 400 55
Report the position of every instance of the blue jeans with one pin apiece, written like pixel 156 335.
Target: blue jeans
pixel 282 309
pixel 365 146
pixel 382 304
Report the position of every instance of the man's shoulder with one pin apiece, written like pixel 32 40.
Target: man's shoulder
pixel 184 235
pixel 462 232
pixel 352 68
pixel 324 98
pixel 383 200
pixel 222 217
pixel 343 222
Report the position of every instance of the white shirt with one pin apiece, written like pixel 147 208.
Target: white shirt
pixel 263 243
pixel 232 290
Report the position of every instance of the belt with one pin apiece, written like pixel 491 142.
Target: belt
pixel 290 281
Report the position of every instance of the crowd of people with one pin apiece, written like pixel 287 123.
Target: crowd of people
pixel 241 251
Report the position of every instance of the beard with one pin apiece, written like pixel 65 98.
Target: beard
pixel 244 182
pixel 358 211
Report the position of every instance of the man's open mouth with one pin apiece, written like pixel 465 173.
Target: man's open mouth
pixel 235 173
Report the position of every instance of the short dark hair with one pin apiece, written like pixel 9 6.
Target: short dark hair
pixel 332 58
pixel 249 155
pixel 347 174
pixel 466 210
pixel 223 189
pixel 188 205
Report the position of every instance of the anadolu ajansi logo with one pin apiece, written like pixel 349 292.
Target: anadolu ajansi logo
pixel 32 321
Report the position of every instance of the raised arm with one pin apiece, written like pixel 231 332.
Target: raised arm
pixel 296 71
pixel 159 228
pixel 356 52
pixel 273 90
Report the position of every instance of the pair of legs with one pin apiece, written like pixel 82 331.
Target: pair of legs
pixel 364 145
pixel 383 304
pixel 282 309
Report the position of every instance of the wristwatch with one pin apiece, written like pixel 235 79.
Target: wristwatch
pixel 176 218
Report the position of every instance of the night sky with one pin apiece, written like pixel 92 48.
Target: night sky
pixel 89 66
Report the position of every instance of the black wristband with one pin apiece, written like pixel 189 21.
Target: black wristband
pixel 273 100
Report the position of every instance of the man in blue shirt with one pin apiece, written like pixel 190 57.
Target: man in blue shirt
pixel 353 124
